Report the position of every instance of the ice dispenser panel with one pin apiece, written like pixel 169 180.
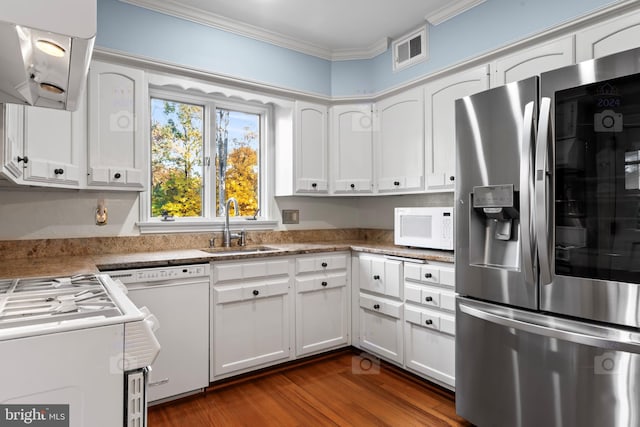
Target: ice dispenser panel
pixel 494 226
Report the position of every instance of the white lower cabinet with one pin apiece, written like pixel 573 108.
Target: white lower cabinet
pixel 381 327
pixel 322 303
pixel 429 321
pixel 251 316
pixel 430 344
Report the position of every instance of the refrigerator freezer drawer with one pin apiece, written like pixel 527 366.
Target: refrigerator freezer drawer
pixel 543 371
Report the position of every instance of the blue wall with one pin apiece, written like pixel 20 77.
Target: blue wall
pixel 492 24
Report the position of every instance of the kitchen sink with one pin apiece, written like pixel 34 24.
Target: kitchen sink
pixel 235 250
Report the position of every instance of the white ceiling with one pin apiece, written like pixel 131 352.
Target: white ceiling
pixel 331 29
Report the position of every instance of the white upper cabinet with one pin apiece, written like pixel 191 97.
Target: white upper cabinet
pixel 440 96
pixel 44 146
pixel 351 148
pixel 400 142
pixel 53 141
pixel 13 160
pixel 117 102
pixel 616 35
pixel 311 148
pixel 533 61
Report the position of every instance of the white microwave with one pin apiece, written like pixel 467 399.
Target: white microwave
pixel 430 227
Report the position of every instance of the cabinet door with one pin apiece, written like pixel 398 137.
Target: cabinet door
pixel 322 315
pixel 351 149
pixel 533 61
pixel 428 351
pixel 440 97
pixel 311 148
pixel 250 325
pixel 381 327
pixel 380 275
pixel 610 37
pixel 13 160
pixel 400 144
pixel 52 142
pixel 117 100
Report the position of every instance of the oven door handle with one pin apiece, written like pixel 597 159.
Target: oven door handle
pixel 552 327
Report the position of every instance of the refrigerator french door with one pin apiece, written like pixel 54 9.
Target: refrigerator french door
pixel 548 248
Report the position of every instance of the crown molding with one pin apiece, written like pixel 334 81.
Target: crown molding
pixel 172 8
pixel 451 10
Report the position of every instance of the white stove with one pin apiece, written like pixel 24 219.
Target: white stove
pixel 76 341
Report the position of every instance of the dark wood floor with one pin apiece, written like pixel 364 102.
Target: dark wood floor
pixel 332 390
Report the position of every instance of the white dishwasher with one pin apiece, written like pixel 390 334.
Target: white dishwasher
pixel 179 297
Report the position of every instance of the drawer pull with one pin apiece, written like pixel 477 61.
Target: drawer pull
pixel 324 283
pixel 353 186
pixel 159 382
pixel 396 183
pixel 376 277
pixel 256 292
pixel 428 321
pixel 314 185
pixel 428 299
pixel 117 175
pixel 324 264
pixel 428 275
pixel 376 306
pixel 58 171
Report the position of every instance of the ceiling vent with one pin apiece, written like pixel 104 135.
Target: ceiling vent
pixel 410 49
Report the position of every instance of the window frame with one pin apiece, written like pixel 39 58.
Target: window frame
pixel 209 221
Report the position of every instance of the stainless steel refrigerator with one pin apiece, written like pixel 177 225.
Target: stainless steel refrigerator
pixel 548 249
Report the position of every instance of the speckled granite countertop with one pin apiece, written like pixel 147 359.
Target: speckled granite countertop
pixel 69 265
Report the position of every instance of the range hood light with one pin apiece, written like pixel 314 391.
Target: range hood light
pixel 50 48
pixel 51 88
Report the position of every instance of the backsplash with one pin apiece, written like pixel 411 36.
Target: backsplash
pixel 16 249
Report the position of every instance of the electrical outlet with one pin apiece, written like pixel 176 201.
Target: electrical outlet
pixel 290 216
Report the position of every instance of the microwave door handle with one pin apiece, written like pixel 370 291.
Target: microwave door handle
pixel 543 212
pixel 527 194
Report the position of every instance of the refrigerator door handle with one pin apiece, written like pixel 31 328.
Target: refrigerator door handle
pixel 552 327
pixel 542 188
pixel 527 194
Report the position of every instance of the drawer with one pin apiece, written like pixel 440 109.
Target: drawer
pixel 430 274
pixel 323 262
pixel 381 305
pixel 250 269
pixel 430 319
pixel 260 289
pixel 308 284
pixel 422 295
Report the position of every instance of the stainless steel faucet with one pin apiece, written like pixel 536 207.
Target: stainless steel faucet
pixel 228 235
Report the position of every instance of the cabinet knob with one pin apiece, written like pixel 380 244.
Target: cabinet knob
pixel 428 299
pixel 314 185
pixel 58 171
pixel 376 306
pixel 428 322
pixel 324 264
pixel 428 275
pixel 256 292
pixel 376 277
pixel 452 178
pixel 352 186
pixel 24 159
pixel 396 183
pixel 324 283
pixel 117 175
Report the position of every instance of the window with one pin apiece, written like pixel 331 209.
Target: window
pixel 204 152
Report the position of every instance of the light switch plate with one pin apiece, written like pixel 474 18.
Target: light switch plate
pixel 290 216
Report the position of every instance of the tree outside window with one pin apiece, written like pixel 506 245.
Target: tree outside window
pixel 178 161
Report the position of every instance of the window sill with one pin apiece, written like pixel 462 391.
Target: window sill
pixel 181 225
